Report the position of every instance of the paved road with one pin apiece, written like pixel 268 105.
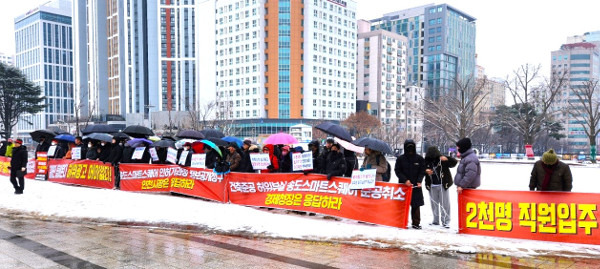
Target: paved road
pixel 31 243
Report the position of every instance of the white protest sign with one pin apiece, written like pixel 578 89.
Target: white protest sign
pixel 138 153
pixel 198 160
pixel 172 155
pixel 260 161
pixel 51 151
pixel 363 179
pixel 302 161
pixel 183 157
pixel 76 153
pixel 153 154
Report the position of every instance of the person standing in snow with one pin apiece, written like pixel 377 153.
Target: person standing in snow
pixel 18 166
pixel 410 170
pixel 438 180
pixel 468 173
pixel 550 174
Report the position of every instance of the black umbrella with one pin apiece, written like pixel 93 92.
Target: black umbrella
pixel 39 134
pixel 164 143
pixel 99 128
pixel 374 144
pixel 99 136
pixel 138 131
pixel 193 134
pixel 218 141
pixel 212 133
pixel 120 136
pixel 335 130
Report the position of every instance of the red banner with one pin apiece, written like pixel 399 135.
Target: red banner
pixel 548 216
pixel 387 204
pixel 202 183
pixel 82 172
pixel 148 177
pixel 4 164
pixel 41 166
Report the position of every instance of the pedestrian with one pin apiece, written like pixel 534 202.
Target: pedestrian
pixel 410 170
pixel 234 158
pixel 285 161
pixel 468 173
pixel 438 180
pixel 375 160
pixel 274 166
pixel 18 166
pixel 43 146
pixel 550 174
pixel 336 164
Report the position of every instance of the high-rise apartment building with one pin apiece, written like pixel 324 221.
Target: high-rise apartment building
pixel 441 45
pixel 580 63
pixel 44 53
pixel 6 59
pixel 286 59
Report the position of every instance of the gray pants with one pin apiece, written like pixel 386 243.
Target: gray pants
pixel 440 201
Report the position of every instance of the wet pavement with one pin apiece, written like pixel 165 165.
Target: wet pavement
pixel 32 243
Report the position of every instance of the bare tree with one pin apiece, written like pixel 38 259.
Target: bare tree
pixel 532 100
pixel 81 121
pixel 361 123
pixel 587 111
pixel 457 114
pixel 203 118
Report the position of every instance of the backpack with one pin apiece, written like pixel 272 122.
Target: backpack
pixel 388 172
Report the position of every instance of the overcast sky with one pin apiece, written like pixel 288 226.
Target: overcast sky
pixel 509 32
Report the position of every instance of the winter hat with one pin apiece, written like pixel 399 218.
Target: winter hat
pixel 330 140
pixel 286 148
pixel 20 141
pixel 432 153
pixel 464 145
pixel 549 157
pixel 248 142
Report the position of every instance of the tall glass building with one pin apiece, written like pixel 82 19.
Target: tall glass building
pixel 441 45
pixel 44 53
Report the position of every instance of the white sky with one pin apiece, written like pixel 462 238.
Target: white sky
pixel 509 32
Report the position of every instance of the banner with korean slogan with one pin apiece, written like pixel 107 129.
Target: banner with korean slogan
pixel 302 161
pixel 172 155
pixel 41 166
pixel 149 177
pixel 198 160
pixel 386 204
pixel 548 216
pixel 260 161
pixel 138 153
pixel 364 179
pixel 76 153
pixel 83 172
pixel 153 154
pixel 202 183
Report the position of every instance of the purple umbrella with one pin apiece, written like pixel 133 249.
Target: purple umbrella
pixel 136 142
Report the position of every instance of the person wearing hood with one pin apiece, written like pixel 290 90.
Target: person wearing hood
pixel 234 158
pixel 468 173
pixel 274 167
pixel 336 164
pixel 285 162
pixel 18 166
pixel 410 170
pixel 375 160
pixel 437 181
pixel 550 174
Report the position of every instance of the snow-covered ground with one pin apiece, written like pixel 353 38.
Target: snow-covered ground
pixel 53 201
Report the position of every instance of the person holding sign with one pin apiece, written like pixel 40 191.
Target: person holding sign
pixel 83 149
pixel 274 167
pixel 375 160
pixel 233 158
pixel 410 169
pixel 185 155
pixel 59 150
pixel 336 163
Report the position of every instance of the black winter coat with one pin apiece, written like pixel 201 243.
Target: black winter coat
pixel 246 163
pixel 440 169
pixel 116 153
pixel 411 167
pixel 127 153
pixel 92 154
pixel 42 147
pixel 18 159
pixel 211 158
pixel 104 152
pixel 336 164
pixel 285 163
pixel 351 162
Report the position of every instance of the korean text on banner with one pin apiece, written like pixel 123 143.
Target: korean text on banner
pixel 386 204
pixel 202 183
pixel 172 155
pixel 548 216
pixel 302 161
pixel 76 153
pixel 138 153
pixel 148 177
pixel 364 179
pixel 198 160
pixel 83 172
pixel 260 161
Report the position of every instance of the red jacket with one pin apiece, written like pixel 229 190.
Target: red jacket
pixel 274 160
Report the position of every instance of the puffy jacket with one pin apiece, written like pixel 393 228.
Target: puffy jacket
pixel 370 162
pixel 336 164
pixel 19 159
pixel 468 173
pixel 234 159
pixel 561 179
pixel 274 161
